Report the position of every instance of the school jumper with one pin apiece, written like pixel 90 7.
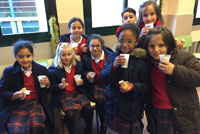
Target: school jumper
pixel 141 25
pixel 66 38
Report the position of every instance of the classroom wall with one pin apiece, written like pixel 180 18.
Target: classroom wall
pixel 178 16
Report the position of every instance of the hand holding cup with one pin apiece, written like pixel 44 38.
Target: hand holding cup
pixel 44 81
pixel 124 61
pixel 90 76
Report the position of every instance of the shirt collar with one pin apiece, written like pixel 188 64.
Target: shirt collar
pixel 68 69
pixel 75 44
pixel 97 60
pixel 27 72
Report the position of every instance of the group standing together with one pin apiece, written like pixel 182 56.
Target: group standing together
pixel 123 83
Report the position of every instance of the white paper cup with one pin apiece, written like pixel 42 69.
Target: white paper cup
pixel 92 75
pixel 164 57
pixel 41 77
pixel 126 56
pixel 149 24
pixel 77 78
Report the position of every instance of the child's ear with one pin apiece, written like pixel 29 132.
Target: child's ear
pixel 135 19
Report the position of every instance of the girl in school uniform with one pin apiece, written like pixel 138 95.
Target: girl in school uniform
pixel 21 112
pixel 126 85
pixel 149 17
pixel 173 105
pixel 75 36
pixel 93 61
pixel 66 91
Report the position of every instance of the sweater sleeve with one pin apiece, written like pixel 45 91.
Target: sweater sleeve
pixel 4 92
pixel 187 73
pixel 108 74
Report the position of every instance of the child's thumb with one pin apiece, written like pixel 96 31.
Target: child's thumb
pixel 63 80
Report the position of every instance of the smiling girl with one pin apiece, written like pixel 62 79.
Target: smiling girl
pixel 20 112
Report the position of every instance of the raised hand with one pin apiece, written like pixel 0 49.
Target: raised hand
pixel 166 67
pixel 63 84
pixel 118 61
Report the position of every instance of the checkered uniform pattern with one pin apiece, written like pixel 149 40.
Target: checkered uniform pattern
pixel 163 120
pixel 124 127
pixel 28 118
pixel 74 101
pixel 99 91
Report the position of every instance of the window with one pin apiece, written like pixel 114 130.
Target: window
pixel 102 18
pixel 25 19
pixel 196 20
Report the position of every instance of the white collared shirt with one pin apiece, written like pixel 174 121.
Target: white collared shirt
pixel 75 44
pixel 27 72
pixel 97 60
pixel 68 69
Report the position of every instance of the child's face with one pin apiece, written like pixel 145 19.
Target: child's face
pixel 128 17
pixel 66 56
pixel 95 47
pixel 24 58
pixel 127 41
pixel 156 46
pixel 149 14
pixel 76 29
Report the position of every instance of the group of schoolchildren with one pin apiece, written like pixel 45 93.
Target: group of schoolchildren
pixel 165 90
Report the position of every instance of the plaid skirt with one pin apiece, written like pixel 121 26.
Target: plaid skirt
pixel 163 120
pixel 74 101
pixel 124 127
pixel 27 118
pixel 99 92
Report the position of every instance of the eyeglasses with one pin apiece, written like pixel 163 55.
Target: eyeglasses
pixel 125 41
pixel 95 46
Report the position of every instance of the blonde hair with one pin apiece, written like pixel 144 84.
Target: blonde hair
pixel 57 60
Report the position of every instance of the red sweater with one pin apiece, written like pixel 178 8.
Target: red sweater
pixel 158 23
pixel 97 69
pixel 160 96
pixel 29 84
pixel 83 41
pixel 70 80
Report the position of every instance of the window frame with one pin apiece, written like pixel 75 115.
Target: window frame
pixel 110 30
pixel 196 21
pixel 7 40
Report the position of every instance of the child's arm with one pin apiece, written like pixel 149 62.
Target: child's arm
pixel 4 82
pixel 18 95
pixel 187 71
pixel 109 72
pixel 143 33
pixel 55 81
pixel 143 84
